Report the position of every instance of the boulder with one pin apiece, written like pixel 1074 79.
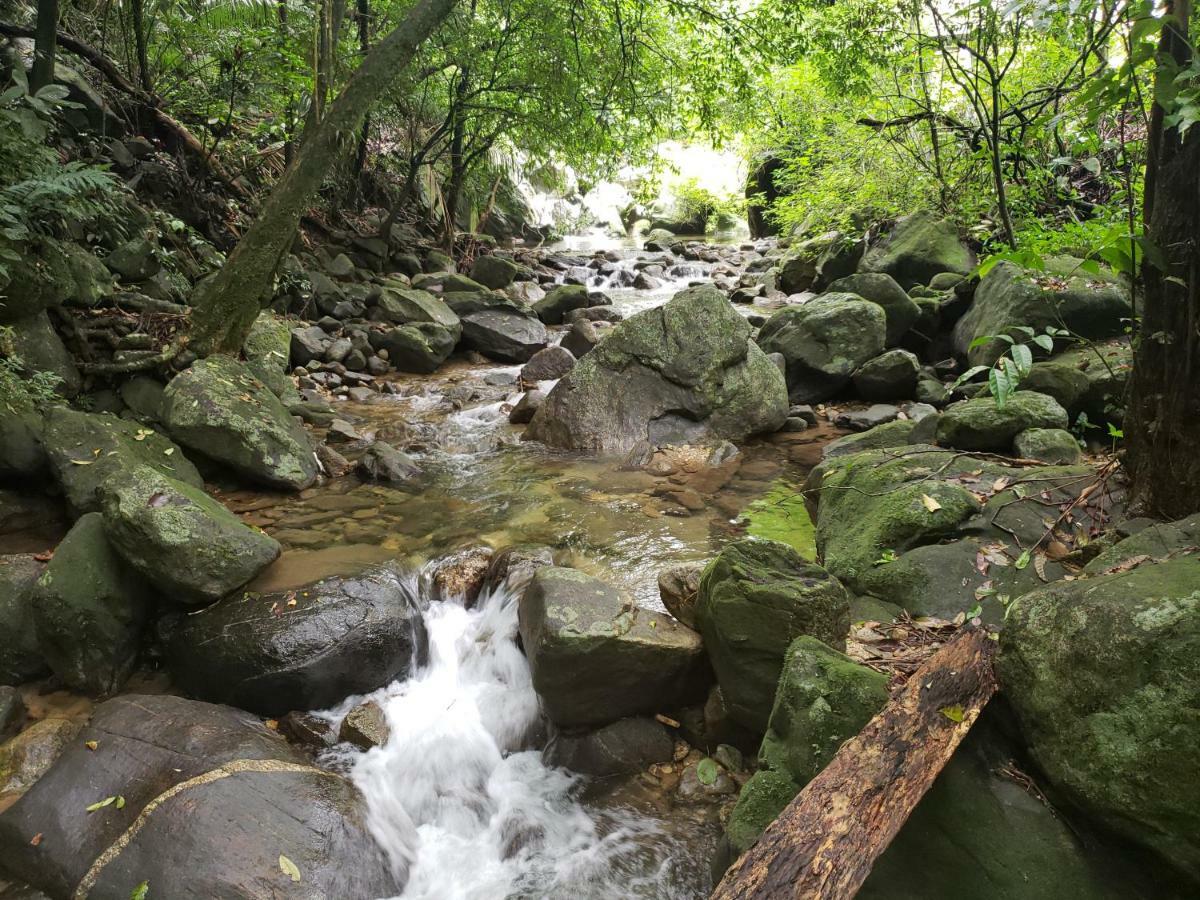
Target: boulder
pixel 307 648
pixel 20 658
pixel 89 610
pixel 679 590
pixel 548 365
pixel 220 409
pixel 683 373
pixel 581 339
pixel 365 726
pixel 1048 445
pixel 901 310
pixel 982 424
pixel 1089 380
pixel 408 307
pixel 383 462
pixel 890 434
pixel 143 395
pixel 526 408
pixel 420 347
pixel 87 449
pixel 755 598
pixel 801 268
pixel 28 756
pixel 596 656
pixel 559 301
pixel 309 344
pixel 659 240
pixel 823 342
pixel 1090 306
pixel 626 747
pixel 1158 541
pixel 493 271
pixel 23 459
pixel 890 376
pixel 180 539
pixel 1104 675
pixel 269 342
pixel 919 247
pixel 246 801
pixel 37 345
pixel 135 260
pixel 502 335
pixel 513 567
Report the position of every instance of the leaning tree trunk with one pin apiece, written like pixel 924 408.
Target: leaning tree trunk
pixel 45 38
pixel 226 306
pixel 1162 425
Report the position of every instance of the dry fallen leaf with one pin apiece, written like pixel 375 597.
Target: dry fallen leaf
pixel 37 839
pixel 930 504
pixel 91 745
pixel 289 868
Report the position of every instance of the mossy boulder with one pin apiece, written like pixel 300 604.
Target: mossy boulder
pixel 402 306
pixel 1088 305
pixel 889 434
pixel 596 656
pixel 1049 445
pixel 683 373
pixel 420 347
pixel 218 407
pixel 890 376
pixel 89 611
pixel 982 424
pixel 20 658
pixel 755 598
pixel 761 801
pixel 823 342
pixel 309 647
pixel 23 459
pixel 901 310
pixel 559 301
pixel 37 345
pixel 180 539
pixel 493 271
pixel 87 449
pixel 1089 380
pixel 1158 542
pixel 1104 675
pixel 269 341
pixel 919 247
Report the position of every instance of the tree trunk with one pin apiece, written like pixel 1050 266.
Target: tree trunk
pixel 137 10
pixel 1162 425
pixel 44 42
pixel 458 167
pixel 363 14
pixel 226 306
pixel 823 845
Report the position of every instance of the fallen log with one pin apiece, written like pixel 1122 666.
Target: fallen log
pixel 823 845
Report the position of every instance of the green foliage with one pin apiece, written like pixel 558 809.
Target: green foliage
pixel 1005 376
pixel 699 203
pixel 22 391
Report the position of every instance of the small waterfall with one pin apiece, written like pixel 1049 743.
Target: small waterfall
pixel 459 796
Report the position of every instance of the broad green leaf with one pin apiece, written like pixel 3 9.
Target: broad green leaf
pixel 100 804
pixel 953 713
pixel 707 771
pixel 141 892
pixel 1045 342
pixel 1023 357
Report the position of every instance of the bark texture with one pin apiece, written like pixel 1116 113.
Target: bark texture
pixel 823 845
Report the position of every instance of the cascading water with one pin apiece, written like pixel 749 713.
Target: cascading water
pixel 459 796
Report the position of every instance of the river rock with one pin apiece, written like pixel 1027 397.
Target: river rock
pixel 420 347
pixel 28 756
pixel 1158 541
pixel 890 434
pixel 180 539
pixel 1090 306
pixel 679 590
pixel 20 658
pixel 755 598
pixel 683 373
pixel 919 247
pixel 901 310
pixel 548 365
pixel 597 657
pixel 461 575
pixel 1049 445
pixel 502 335
pixel 267 349
pixel 1104 675
pixel 823 342
pixel 220 409
pixel 1089 380
pixel 526 408
pixel 581 338
pixel 625 747
pixel 308 344
pixel 89 610
pixel 513 567
pixel 37 345
pixel 559 301
pixel 402 306
pixel 23 459
pixel 493 271
pixel 365 726
pixel 244 798
pixel 981 424
pixel 87 449
pixel 307 648
pixel 383 462
pixel 890 376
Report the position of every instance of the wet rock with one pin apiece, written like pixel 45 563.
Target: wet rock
pixel 334 464
pixel 548 365
pixel 705 782
pixel 462 574
pixel 87 449
pixel 593 314
pixel 308 344
pixel 383 462
pixel 531 401
pixel 20 658
pixel 220 409
pixel 981 424
pixel 625 747
pixel 89 609
pixel 1102 674
pixel 34 341
pixel 596 656
pixel 659 240
pixel 755 598
pixel 28 756
pixel 23 459
pixel 561 300
pixel 365 726
pixel 493 271
pixel 420 347
pixel 184 542
pixel 1090 306
pixel 306 648
pixel 1049 445
pixel 308 730
pixel 865 419
pixel 889 376
pixel 503 336
pixel 683 373
pixel 581 339
pixel 679 588
pixel 900 309
pixel 243 796
pixel 918 248
pixel 513 567
pixel 823 342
